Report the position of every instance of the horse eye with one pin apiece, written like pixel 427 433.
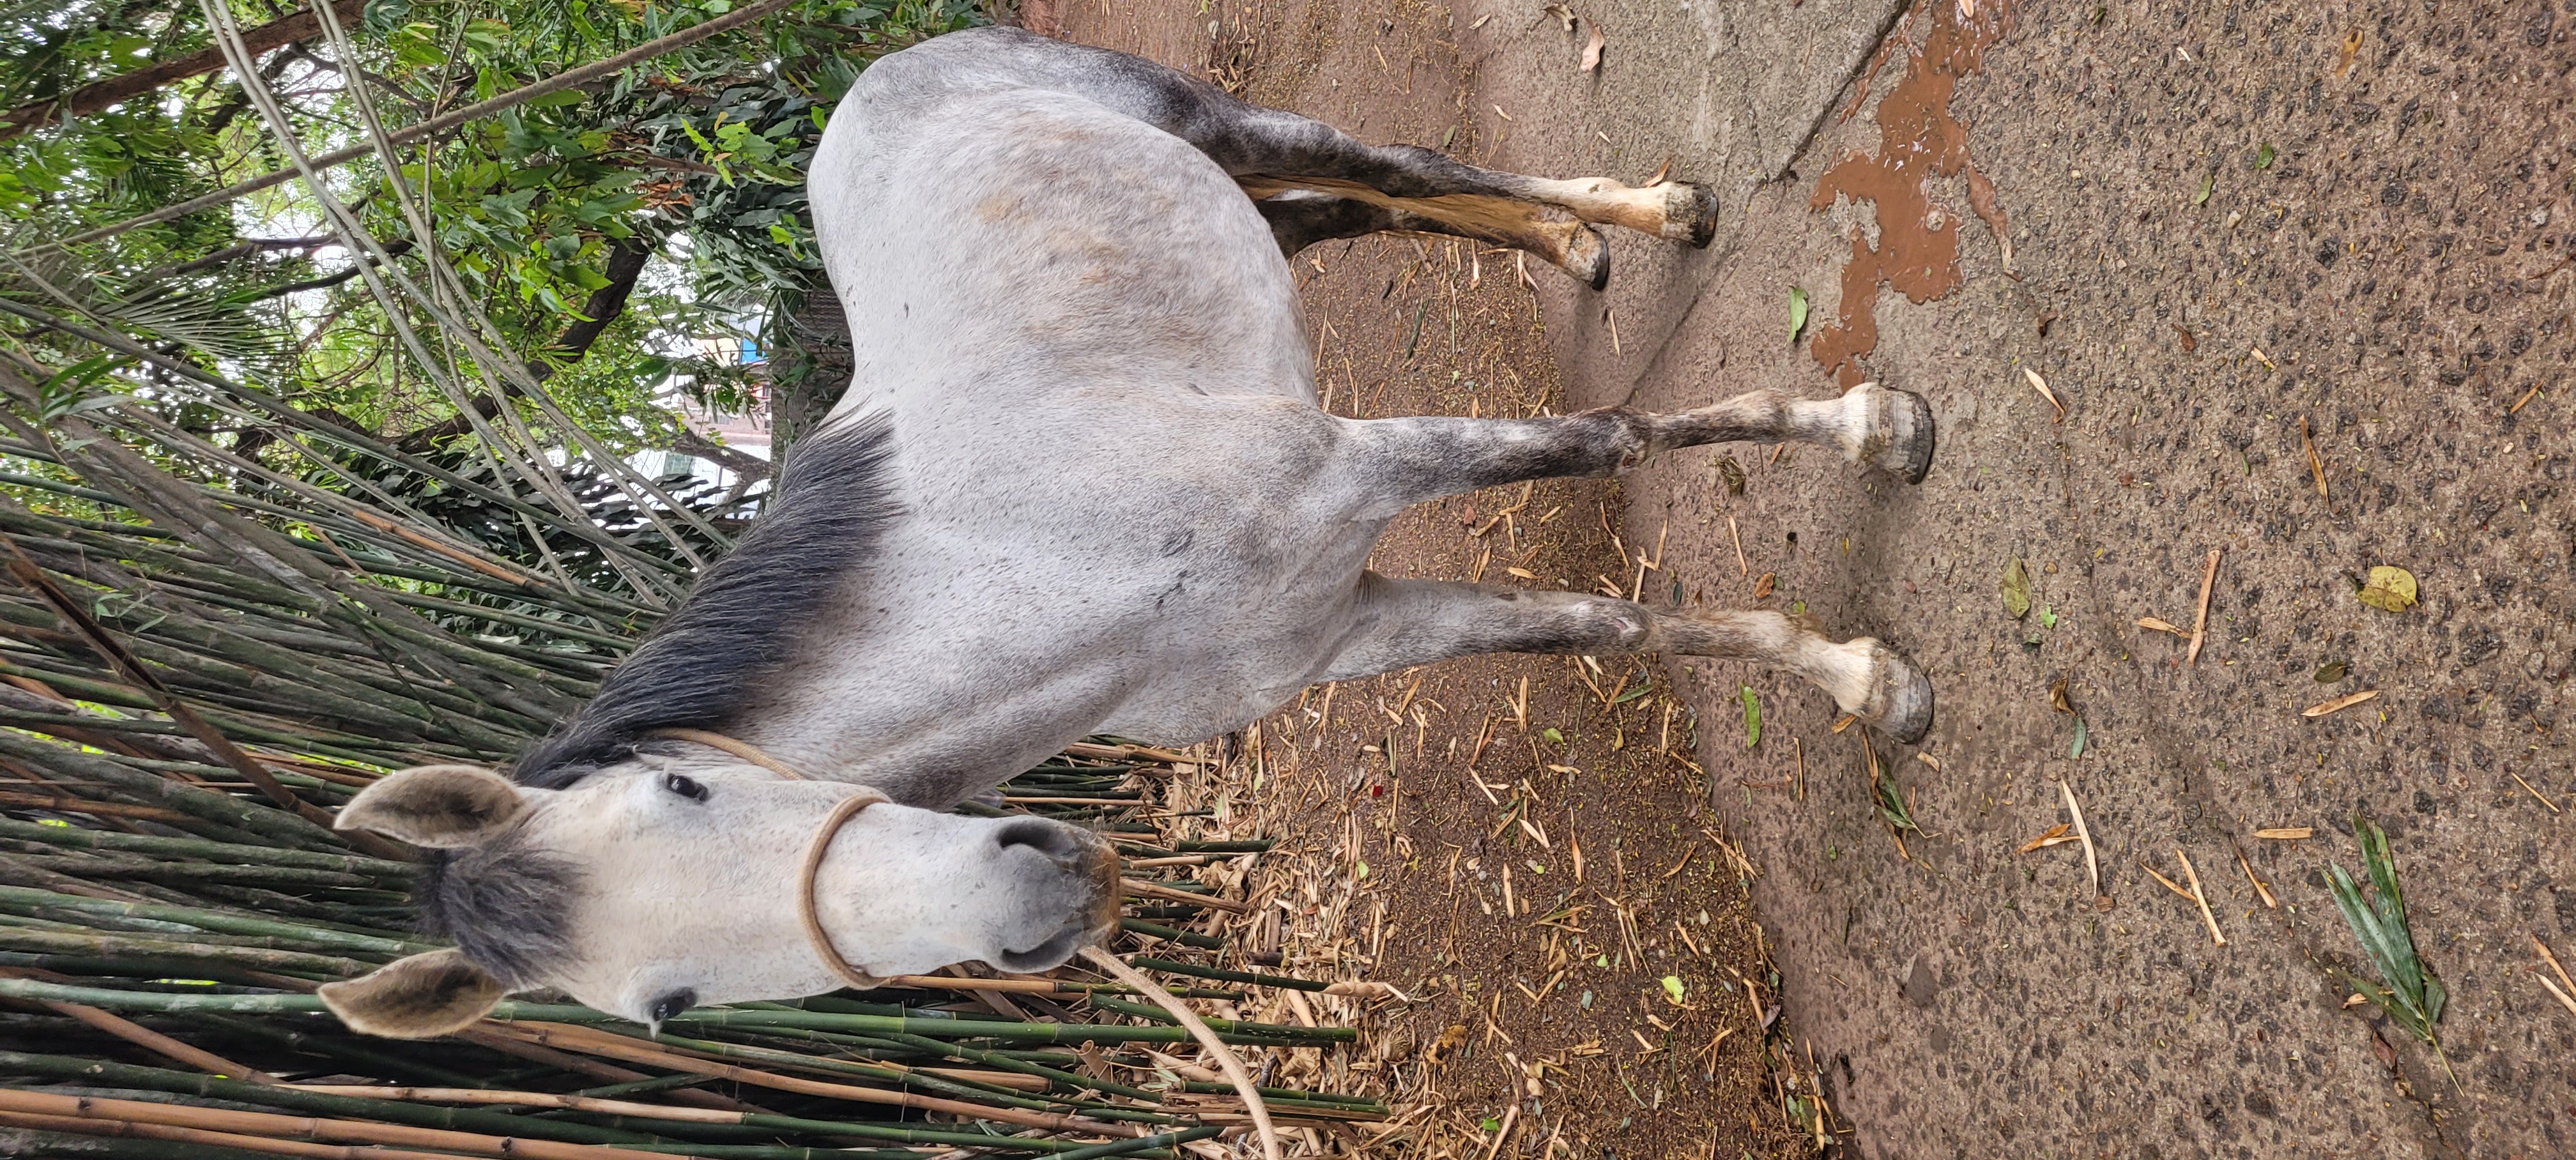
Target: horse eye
pixel 669 1006
pixel 685 787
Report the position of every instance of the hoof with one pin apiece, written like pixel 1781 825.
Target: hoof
pixel 1587 257
pixel 1901 432
pixel 1690 212
pixel 1900 696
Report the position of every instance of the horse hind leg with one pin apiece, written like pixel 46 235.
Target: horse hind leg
pixel 1300 217
pixel 1273 154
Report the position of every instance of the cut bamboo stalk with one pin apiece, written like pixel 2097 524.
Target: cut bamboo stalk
pixel 601 1043
pixel 85 1126
pixel 342 1131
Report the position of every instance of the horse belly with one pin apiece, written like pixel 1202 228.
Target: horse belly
pixel 1007 243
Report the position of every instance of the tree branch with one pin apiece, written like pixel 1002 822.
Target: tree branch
pixel 92 98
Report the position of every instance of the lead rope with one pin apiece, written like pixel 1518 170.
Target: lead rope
pixel 814 851
pixel 742 749
pixel 1225 1058
pixel 821 939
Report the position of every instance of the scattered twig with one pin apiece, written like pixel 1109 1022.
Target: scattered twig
pixel 2092 864
pixel 2200 623
pixel 2338 704
pixel 2193 876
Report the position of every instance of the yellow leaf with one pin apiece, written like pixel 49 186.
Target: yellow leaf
pixel 2389 588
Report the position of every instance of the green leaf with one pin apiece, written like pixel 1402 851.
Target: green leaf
pixel 1797 313
pixel 2206 184
pixel 2047 616
pixel 1673 987
pixel 2017 589
pixel 2263 157
pixel 1553 737
pixel 2331 672
pixel 1752 716
pixel 2078 751
pixel 1634 693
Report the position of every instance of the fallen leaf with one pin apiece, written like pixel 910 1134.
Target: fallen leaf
pixel 2017 589
pixel 1733 473
pixel 2287 833
pixel 2206 184
pixel 1752 717
pixel 1562 13
pixel 1762 587
pixel 2055 835
pixel 1797 313
pixel 2041 385
pixel 2330 672
pixel 2263 157
pixel 2338 704
pixel 1592 49
pixel 2351 49
pixel 2152 624
pixel 2263 358
pixel 2189 344
pixel 1673 987
pixel 2047 616
pixel 2390 588
pixel 2379 1047
pixel 2057 698
pixel 2045 318
pixel 2080 734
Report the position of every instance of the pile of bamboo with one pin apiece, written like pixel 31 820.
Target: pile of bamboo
pixel 202 656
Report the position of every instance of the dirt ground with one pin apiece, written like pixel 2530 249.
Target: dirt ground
pixel 2223 237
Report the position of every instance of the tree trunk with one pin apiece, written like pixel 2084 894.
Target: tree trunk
pixel 809 376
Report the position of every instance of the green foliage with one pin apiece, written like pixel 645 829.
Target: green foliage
pixel 697 156
pixel 2412 998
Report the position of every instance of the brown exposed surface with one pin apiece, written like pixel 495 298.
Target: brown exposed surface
pixel 2223 236
pixel 1917 250
pixel 1520 844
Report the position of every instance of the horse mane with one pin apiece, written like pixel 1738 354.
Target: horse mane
pixel 748 615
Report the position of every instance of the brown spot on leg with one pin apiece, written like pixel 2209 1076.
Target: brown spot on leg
pixel 1551 232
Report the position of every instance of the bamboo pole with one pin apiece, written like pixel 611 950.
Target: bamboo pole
pixel 266 1124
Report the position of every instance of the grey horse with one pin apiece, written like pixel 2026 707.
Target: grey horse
pixel 1079 484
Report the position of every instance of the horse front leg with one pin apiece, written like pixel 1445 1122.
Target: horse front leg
pixel 1402 623
pixel 1425 457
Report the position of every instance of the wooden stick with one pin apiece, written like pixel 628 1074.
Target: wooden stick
pixel 2200 623
pixel 1738 537
pixel 2199 897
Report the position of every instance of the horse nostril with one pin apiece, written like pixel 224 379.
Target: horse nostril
pixel 1053 839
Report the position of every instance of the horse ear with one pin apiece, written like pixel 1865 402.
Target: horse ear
pixel 440 806
pixel 415 998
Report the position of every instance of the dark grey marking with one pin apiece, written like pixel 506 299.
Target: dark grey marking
pixel 751 614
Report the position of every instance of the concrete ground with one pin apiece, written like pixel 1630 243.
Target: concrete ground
pixel 2221 235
